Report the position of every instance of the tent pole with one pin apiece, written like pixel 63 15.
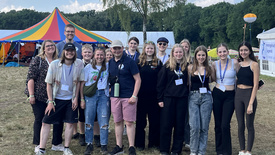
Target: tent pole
pixel 18 53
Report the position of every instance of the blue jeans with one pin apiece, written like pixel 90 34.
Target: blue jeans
pixel 97 104
pixel 200 108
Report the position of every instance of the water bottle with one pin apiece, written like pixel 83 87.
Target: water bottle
pixel 116 92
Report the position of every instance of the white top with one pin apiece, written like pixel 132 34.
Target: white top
pixel 91 75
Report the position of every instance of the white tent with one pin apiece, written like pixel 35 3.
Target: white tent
pixel 123 36
pixel 267 52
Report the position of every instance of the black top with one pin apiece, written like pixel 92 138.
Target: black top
pixel 166 85
pixel 196 83
pixel 135 57
pixel 245 76
pixel 149 77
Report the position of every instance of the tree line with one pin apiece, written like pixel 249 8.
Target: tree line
pixel 222 22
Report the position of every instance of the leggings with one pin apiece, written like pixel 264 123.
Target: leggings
pixel 242 98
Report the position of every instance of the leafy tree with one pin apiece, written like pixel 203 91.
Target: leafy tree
pixel 144 7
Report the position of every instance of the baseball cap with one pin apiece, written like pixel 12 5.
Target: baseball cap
pixel 162 39
pixel 116 43
pixel 69 46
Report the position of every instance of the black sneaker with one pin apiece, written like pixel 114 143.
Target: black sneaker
pixel 117 150
pixel 89 149
pixel 132 151
pixel 75 136
pixel 104 149
pixel 82 140
pixel 97 140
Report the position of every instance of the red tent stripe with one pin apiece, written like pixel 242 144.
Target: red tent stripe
pixel 53 31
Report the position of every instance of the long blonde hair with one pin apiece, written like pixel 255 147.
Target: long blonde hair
pixel 172 64
pixel 188 55
pixel 42 50
pixel 104 61
pixel 143 55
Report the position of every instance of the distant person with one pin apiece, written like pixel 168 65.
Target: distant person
pixel 133 51
pixel 245 98
pixel 187 49
pixel 69 33
pixel 173 92
pixel 162 44
pixel 62 80
pixel 149 67
pixel 109 54
pixel 125 84
pixel 224 73
pixel 37 87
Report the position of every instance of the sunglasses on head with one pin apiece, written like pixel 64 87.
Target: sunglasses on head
pixel 164 44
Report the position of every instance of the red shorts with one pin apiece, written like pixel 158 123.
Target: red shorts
pixel 122 110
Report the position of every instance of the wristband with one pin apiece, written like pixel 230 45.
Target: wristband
pixel 31 96
pixel 134 96
pixel 28 99
pixel 82 100
pixel 51 102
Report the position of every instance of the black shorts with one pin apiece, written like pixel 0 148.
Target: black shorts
pixel 63 113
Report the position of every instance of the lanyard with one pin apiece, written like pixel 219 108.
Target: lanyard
pixel 101 76
pixel 131 55
pixel 222 77
pixel 179 73
pixel 202 81
pixel 69 72
pixel 163 58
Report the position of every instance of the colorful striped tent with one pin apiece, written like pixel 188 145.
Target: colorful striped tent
pixel 52 27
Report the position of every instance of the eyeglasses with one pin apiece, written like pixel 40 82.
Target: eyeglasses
pixel 164 44
pixel 69 31
pixel 49 45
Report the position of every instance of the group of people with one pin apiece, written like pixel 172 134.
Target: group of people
pixel 172 91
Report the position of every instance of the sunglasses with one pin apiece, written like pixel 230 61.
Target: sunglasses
pixel 164 44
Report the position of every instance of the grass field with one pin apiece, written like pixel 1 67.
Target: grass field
pixel 16 121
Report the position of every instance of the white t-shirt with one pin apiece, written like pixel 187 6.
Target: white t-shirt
pixel 65 91
pixel 91 75
pixel 164 58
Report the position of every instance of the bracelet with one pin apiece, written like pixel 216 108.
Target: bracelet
pixel 134 96
pixel 82 100
pixel 31 96
pixel 51 102
pixel 28 99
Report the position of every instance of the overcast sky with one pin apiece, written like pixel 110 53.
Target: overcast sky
pixel 73 6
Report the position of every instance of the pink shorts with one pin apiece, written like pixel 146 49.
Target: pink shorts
pixel 122 110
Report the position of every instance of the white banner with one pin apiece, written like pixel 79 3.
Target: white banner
pixel 267 50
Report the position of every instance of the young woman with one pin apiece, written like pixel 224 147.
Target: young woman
pixel 245 97
pixel 97 104
pixel 133 51
pixel 36 86
pixel 149 67
pixel 173 99
pixel 187 49
pixel 224 73
pixel 200 101
pixel 109 54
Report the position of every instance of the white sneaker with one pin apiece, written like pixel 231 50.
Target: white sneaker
pixel 241 153
pixel 247 153
pixel 67 151
pixel 36 148
pixel 187 146
pixel 40 152
pixel 192 153
pixel 59 147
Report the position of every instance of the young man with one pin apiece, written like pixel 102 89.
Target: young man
pixel 69 33
pixel 62 80
pixel 123 72
pixel 162 44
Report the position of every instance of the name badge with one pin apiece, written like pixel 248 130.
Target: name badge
pixel 203 90
pixel 179 82
pixel 64 87
pixel 153 67
pixel 222 88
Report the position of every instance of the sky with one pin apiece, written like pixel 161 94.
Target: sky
pixel 73 6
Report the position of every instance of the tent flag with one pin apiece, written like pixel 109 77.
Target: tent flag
pixel 213 53
pixel 52 28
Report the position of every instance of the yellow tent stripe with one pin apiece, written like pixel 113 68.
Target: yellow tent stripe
pixel 42 31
